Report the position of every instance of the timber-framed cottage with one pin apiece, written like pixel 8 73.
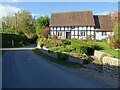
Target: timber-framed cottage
pixel 79 24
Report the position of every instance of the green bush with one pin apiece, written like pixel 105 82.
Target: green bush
pixel 57 49
pixel 41 41
pixel 62 56
pixel 66 42
pixel 83 49
pixel 85 58
pixel 69 48
pixel 19 40
pixel 88 48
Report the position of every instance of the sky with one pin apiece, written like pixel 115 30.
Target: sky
pixel 46 8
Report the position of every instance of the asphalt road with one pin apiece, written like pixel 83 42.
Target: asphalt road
pixel 24 69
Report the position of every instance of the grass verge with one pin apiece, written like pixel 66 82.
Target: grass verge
pixel 57 60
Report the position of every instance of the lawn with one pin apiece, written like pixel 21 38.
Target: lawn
pixel 113 52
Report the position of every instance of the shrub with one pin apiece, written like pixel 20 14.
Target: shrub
pixel 44 32
pixel 66 42
pixel 89 38
pixel 114 42
pixel 41 41
pixel 69 48
pixel 85 58
pixel 62 56
pixel 54 37
pixel 88 48
pixel 57 49
pixel 83 49
pixel 19 40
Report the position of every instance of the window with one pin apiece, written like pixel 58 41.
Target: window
pixel 104 33
pixel 68 27
pixel 59 33
pixel 72 27
pixel 82 33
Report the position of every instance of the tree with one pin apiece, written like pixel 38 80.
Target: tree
pixel 8 24
pixel 114 41
pixel 26 24
pixel 44 32
pixel 42 22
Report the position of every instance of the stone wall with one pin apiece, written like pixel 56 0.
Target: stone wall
pixel 109 63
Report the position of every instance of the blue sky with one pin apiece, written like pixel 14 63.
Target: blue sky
pixel 45 8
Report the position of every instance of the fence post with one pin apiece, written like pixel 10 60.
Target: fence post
pixel 13 44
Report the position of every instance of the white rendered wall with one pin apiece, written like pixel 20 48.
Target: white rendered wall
pixel 68 29
pixel 100 37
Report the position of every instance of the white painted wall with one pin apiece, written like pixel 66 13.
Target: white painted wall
pixel 98 34
pixel 72 32
pixel 100 37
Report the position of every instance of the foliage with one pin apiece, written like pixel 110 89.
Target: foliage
pixel 22 24
pixel 114 41
pixel 66 42
pixel 41 41
pixel 85 58
pixel 69 48
pixel 18 40
pixel 57 60
pixel 42 22
pixel 54 37
pixel 83 49
pixel 26 24
pixel 8 25
pixel 44 32
pixel 89 38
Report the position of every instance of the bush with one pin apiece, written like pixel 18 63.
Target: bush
pixel 57 49
pixel 85 58
pixel 41 41
pixel 69 48
pixel 83 49
pixel 88 48
pixel 66 42
pixel 19 40
pixel 62 56
pixel 89 38
pixel 44 32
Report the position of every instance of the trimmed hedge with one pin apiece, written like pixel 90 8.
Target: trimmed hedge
pixel 19 40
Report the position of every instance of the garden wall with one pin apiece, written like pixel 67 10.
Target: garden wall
pixel 53 54
pixel 109 63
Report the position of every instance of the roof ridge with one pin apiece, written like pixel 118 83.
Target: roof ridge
pixel 72 11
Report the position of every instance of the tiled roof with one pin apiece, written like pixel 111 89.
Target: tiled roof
pixel 103 22
pixel 77 18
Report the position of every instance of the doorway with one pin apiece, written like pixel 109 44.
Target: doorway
pixel 68 35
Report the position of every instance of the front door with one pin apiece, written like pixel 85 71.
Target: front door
pixel 68 35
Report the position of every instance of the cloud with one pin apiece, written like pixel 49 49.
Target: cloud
pixel 7 10
pixel 102 13
pixel 13 1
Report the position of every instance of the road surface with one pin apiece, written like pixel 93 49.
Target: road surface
pixel 24 69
